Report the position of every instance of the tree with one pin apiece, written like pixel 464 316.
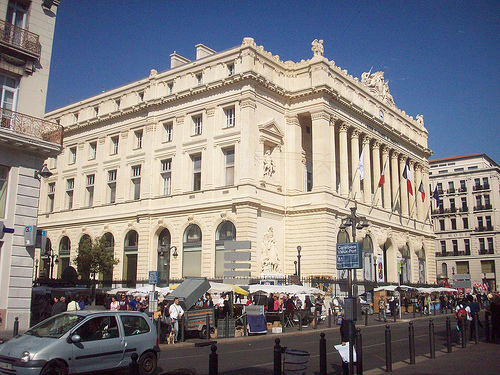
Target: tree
pixel 94 258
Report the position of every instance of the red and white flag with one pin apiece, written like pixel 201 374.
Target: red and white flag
pixel 422 190
pixel 381 181
pixel 407 176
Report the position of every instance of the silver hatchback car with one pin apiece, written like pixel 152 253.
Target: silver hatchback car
pixel 82 341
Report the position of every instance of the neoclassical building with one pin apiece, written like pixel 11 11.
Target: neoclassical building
pixel 242 145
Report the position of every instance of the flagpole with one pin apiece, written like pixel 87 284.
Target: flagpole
pixel 350 189
pixel 378 185
pixel 395 201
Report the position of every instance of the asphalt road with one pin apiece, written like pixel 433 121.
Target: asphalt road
pixel 254 355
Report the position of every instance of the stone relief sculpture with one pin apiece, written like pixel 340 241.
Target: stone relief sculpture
pixel 378 86
pixel 317 47
pixel 268 164
pixel 270 258
pixel 420 119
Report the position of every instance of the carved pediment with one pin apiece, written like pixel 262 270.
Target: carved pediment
pixel 271 133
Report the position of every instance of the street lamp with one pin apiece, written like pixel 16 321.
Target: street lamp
pixel 164 252
pixel 298 261
pixel 53 258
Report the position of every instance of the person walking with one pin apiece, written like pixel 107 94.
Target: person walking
pixel 381 309
pixel 176 312
pixel 59 306
pixel 115 305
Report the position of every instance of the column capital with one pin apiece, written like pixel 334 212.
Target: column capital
pixel 403 157
pixel 320 115
pixel 355 133
pixel 343 128
pixel 419 167
pixel 385 150
pixel 366 140
pixel 292 120
pixel 395 155
pixel 376 144
pixel 411 163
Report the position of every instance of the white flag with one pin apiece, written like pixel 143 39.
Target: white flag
pixel 361 165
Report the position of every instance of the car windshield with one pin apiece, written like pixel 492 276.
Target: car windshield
pixel 55 326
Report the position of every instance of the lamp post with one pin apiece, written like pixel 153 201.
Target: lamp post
pixel 36 269
pixel 52 258
pixel 165 251
pixel 355 222
pixel 298 261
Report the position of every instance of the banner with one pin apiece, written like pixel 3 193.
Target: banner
pixel 380 268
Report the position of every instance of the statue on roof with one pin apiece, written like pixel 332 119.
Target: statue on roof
pixel 317 47
pixel 378 86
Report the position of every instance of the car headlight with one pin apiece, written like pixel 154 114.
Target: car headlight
pixel 25 357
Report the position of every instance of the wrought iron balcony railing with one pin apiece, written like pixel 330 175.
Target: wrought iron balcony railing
pixel 32 126
pixel 20 38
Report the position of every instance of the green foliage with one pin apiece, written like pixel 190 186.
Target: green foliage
pixel 94 258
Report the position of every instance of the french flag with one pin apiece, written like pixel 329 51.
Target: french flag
pixel 381 181
pixel 407 176
pixel 422 190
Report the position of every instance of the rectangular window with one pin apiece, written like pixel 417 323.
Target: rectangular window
pixel 477 182
pixel 455 246
pixel 92 150
pixel 72 155
pixel 136 181
pixel 443 247
pixel 50 196
pixel 166 176
pixel 90 190
pixel 467 246
pixel 114 144
pixel 229 165
pixel 487 266
pixel 464 203
pixel 4 174
pixel 196 160
pixel 480 223
pixel 453 208
pixel 451 187
pixel 453 224
pixel 198 124
pixel 112 186
pixel 9 87
pixel 170 87
pixel 465 223
pixel 70 187
pixel 482 248
pixel 478 201
pixel 462 185
pixel 488 223
pixel 441 225
pixel 487 203
pixel 440 187
pixel 199 79
pixel 138 139
pixel 230 117
pixel 462 267
pixel 169 131
pixel 491 250
pixel 230 69
pixel 486 183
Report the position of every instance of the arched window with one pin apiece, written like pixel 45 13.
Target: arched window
pixel 405 265
pixel 64 252
pixel 45 260
pixel 226 231
pixel 444 269
pixel 130 249
pixel 191 251
pixel 163 262
pixel 421 266
pixel 342 237
pixel 85 240
pixel 368 267
pixel 108 276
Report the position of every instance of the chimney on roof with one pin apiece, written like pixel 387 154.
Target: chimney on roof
pixel 203 51
pixel 176 60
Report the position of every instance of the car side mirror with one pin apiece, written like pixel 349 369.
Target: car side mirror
pixel 75 338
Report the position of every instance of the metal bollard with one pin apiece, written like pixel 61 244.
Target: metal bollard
pixel 476 327
pixel 359 352
pixel 15 331
pixel 207 324
pixel 322 354
pixel 329 318
pixel 315 319
pixel 213 361
pixel 300 319
pixel 434 309
pixel 388 349
pixel 463 333
pixel 411 338
pixel 432 339
pixel 366 318
pixel 133 367
pixel 245 323
pixel 448 334
pixel 277 357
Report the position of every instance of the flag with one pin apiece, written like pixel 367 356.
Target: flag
pixel 422 190
pixel 407 176
pixel 361 165
pixel 382 176
pixel 435 195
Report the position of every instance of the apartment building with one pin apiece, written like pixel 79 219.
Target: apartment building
pixel 467 219
pixel 241 145
pixel 26 140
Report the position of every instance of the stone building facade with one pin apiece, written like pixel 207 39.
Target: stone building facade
pixel 26 140
pixel 467 220
pixel 241 145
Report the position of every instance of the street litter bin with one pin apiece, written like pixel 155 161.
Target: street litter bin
pixel 295 362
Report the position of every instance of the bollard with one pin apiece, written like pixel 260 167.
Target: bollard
pixel 181 327
pixel 448 334
pixel 359 352
pixel 213 361
pixel 245 323
pixel 411 338
pixel 434 309
pixel 463 333
pixel 15 332
pixel 282 318
pixel 329 318
pixel 487 331
pixel 388 349
pixel 366 318
pixel 277 357
pixel 227 325
pixel 322 354
pixel 133 366
pixel 315 319
pixel 207 324
pixel 394 317
pixel 300 319
pixel 414 310
pixel 432 340
pixel 475 318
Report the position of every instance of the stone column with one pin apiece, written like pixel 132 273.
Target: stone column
pixel 386 187
pixel 412 197
pixel 418 194
pixel 294 167
pixel 427 201
pixel 377 201
pixel 333 161
pixel 355 190
pixel 321 150
pixel 367 168
pixel 403 186
pixel 344 157
pixel 245 163
pixel 395 181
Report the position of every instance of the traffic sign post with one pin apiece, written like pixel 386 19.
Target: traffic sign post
pixel 234 272
pixel 349 256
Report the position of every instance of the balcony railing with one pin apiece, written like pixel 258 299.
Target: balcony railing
pixel 462 190
pixel 18 37
pixel 32 126
pixel 451 191
pixel 484 251
pixel 464 209
pixel 483 207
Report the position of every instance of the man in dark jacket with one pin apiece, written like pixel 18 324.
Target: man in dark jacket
pixel 59 306
pixel 344 337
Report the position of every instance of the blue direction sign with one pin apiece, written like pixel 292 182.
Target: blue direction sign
pixel 349 256
pixel 153 277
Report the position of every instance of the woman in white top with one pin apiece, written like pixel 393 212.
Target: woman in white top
pixel 114 304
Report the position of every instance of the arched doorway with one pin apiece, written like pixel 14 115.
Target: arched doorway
pixel 368 269
pixel 130 249
pixel 404 266
pixel 226 231
pixel 191 251
pixel 422 269
pixel 85 240
pixel 107 277
pixel 342 237
pixel 64 255
pixel 163 257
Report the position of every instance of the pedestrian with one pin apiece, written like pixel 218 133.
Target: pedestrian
pixel 318 306
pixel 135 304
pixel 59 305
pixel 494 310
pixel 81 302
pixel 176 312
pixel 381 309
pixel 345 327
pixel 115 305
pixel 393 306
pixel 72 305
pixel 123 302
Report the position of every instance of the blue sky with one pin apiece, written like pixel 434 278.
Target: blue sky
pixel 442 58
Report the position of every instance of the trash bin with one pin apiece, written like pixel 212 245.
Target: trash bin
pixel 295 362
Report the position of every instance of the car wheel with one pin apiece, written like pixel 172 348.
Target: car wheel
pixel 147 364
pixel 55 368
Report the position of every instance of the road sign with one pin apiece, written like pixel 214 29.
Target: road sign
pixel 349 256
pixel 236 274
pixel 237 255
pixel 237 280
pixel 237 245
pixel 233 266
pixel 153 277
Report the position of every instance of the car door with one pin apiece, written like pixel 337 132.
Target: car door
pixel 100 346
pixel 138 334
